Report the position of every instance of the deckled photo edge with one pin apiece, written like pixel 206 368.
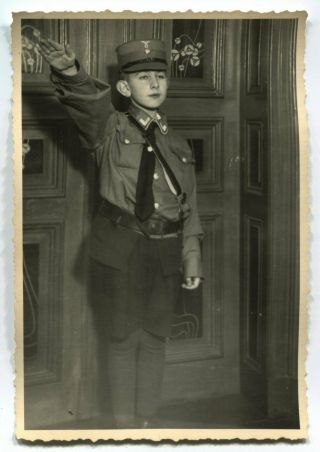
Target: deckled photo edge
pixel 162 434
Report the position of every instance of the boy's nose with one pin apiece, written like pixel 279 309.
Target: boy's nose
pixel 154 83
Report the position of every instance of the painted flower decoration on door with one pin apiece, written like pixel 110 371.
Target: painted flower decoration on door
pixel 187 53
pixel 31 58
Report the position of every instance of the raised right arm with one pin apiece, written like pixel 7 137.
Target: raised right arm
pixel 87 100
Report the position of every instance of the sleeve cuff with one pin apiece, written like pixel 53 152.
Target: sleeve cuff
pixel 192 267
pixel 79 77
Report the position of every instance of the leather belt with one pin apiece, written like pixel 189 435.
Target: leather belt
pixel 154 228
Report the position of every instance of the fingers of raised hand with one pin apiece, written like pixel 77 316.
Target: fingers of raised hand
pixel 51 45
pixel 48 47
pixel 56 54
pixel 55 45
pixel 50 55
pixel 45 53
pixel 44 49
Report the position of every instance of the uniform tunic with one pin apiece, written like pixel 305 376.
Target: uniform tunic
pixel 117 145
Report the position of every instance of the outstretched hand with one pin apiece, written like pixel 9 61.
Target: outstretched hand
pixel 59 56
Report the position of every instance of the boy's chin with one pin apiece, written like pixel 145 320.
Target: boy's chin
pixel 148 105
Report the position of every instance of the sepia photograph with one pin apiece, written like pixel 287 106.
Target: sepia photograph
pixel 160 248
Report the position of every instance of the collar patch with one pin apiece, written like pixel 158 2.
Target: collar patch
pixel 145 119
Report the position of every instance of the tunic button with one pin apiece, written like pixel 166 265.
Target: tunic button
pixel 156 176
pixel 184 160
pixel 150 148
pixel 156 205
pixel 126 141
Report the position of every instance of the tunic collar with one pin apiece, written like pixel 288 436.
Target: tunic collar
pixel 145 118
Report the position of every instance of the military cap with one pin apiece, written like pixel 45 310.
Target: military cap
pixel 134 56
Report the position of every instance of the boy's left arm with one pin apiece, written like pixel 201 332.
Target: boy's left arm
pixel 192 235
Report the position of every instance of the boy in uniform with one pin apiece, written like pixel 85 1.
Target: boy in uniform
pixel 147 230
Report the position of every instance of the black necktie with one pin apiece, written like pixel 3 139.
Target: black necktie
pixel 144 193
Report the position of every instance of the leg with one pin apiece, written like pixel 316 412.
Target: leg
pixel 156 327
pixel 122 357
pixel 149 374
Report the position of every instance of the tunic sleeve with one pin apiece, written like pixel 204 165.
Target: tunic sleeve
pixel 88 103
pixel 192 232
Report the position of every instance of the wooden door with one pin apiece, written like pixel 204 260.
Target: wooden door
pixel 203 103
pixel 62 376
pixel 254 207
pixel 55 217
pixel 269 217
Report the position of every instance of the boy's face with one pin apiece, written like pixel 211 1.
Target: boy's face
pixel 148 88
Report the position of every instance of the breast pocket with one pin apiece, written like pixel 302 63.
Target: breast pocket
pixel 181 161
pixel 128 154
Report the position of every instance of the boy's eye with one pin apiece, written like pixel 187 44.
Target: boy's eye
pixel 160 76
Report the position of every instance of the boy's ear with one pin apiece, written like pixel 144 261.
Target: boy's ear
pixel 123 88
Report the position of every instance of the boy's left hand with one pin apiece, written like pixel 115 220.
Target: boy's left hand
pixel 191 283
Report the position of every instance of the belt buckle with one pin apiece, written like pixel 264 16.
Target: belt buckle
pixel 155 227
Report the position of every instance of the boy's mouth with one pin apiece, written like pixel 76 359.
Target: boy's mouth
pixel 156 95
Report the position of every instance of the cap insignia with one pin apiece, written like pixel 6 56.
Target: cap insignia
pixel 146 47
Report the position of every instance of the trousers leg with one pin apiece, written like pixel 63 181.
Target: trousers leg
pixel 150 367
pixel 122 355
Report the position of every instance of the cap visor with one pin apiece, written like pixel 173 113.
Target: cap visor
pixel 147 66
